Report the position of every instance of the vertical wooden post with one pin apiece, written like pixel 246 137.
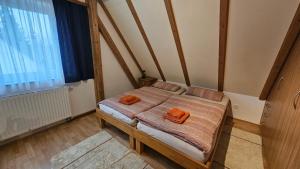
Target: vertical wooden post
pixel 224 12
pixel 139 146
pixel 95 38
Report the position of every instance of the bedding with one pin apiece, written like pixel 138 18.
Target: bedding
pixel 149 97
pixel 117 115
pixel 199 130
pixel 166 86
pixel 205 93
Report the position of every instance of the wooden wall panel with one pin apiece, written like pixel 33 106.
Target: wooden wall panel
pixel 224 12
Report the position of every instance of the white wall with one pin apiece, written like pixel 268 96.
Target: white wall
pixel 244 107
pixel 255 33
pixel 82 97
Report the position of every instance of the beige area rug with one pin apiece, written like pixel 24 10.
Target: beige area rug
pixel 100 151
pixel 238 149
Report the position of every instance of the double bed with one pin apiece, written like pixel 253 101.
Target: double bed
pixel 123 116
pixel 191 144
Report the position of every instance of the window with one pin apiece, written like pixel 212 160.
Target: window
pixel 29 48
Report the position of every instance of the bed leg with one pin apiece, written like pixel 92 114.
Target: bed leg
pixel 139 147
pixel 101 123
pixel 131 142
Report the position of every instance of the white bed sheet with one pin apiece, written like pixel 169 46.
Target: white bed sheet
pixel 116 114
pixel 174 142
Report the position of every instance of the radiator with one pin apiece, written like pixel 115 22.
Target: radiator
pixel 23 113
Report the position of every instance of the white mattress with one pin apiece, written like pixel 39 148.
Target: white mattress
pixel 116 114
pixel 174 142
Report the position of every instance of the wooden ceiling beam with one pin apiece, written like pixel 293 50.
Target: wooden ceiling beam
pixel 96 51
pixel 140 26
pixel 224 13
pixel 120 35
pixel 170 11
pixel 283 53
pixel 116 53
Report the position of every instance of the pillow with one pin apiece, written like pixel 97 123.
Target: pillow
pixel 166 86
pixel 205 93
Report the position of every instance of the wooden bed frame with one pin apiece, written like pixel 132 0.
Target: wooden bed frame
pixel 137 140
pixel 180 158
pixel 128 129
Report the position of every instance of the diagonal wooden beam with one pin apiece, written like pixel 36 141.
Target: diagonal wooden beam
pixel 116 52
pixel 283 53
pixel 96 51
pixel 120 35
pixel 140 26
pixel 170 11
pixel 224 12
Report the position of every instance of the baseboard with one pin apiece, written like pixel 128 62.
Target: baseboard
pixel 244 125
pixel 84 114
pixel 29 133
pixel 26 134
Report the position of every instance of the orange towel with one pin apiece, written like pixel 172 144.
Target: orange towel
pixel 129 99
pixel 176 115
pixel 175 112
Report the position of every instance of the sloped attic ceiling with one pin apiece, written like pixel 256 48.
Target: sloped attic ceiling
pixel 255 32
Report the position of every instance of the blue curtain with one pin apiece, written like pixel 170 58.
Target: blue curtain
pixel 29 49
pixel 74 37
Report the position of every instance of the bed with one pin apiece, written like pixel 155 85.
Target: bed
pixel 123 116
pixel 170 139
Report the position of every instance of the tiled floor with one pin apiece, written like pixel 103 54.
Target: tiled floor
pixel 238 149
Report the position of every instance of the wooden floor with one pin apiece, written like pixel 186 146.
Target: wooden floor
pixel 35 151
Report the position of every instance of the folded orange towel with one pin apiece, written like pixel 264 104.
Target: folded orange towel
pixel 129 99
pixel 176 115
pixel 175 112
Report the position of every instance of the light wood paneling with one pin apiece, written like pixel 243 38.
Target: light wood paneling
pixel 142 31
pixel 116 53
pixel 224 12
pixel 282 55
pixel 120 35
pixel 169 8
pixel 280 120
pixel 97 61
